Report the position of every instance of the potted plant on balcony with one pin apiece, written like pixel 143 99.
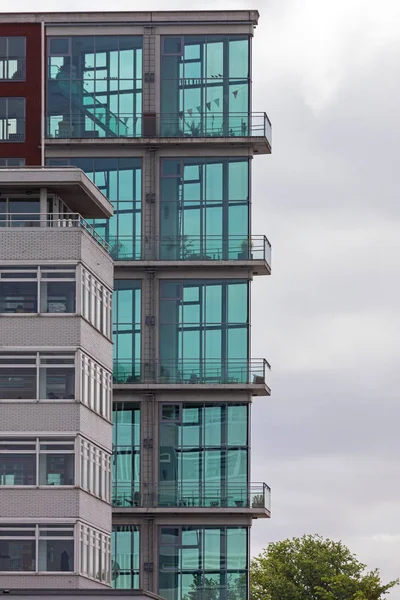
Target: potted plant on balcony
pixel 258 501
pixel 115 250
pixel 245 249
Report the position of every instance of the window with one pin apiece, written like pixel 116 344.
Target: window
pixel 21 288
pixel 94 86
pixel 12 58
pixel 204 209
pixel 95 554
pixel 96 387
pixel 205 85
pixel 37 462
pixel 95 470
pixel 204 328
pixel 203 455
pixel 12 119
pixel 12 162
pixel 96 303
pixel 120 180
pixel 125 557
pixel 126 455
pixel 127 330
pixel 202 562
pixel 37 548
pixel 37 376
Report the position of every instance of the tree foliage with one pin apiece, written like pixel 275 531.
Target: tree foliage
pixel 313 568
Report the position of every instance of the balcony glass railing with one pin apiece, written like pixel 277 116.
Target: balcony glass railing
pixel 200 372
pixel 192 247
pixel 193 495
pixel 101 122
pixel 52 220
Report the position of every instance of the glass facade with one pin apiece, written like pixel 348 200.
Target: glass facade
pixel 94 86
pixel 38 549
pixel 204 209
pixel 203 455
pixel 204 329
pixel 125 557
pixel 120 180
pixel 126 454
pixel 127 329
pixel 205 85
pixel 12 58
pixel 203 563
pixel 12 119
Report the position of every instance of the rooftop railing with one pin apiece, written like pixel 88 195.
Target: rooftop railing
pixel 101 123
pixel 193 495
pixel 191 247
pixel 193 371
pixel 52 220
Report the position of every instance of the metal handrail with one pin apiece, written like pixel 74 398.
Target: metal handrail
pixel 53 221
pixel 191 247
pixel 203 494
pixel 190 123
pixel 193 371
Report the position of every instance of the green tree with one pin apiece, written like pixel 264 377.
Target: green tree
pixel 313 568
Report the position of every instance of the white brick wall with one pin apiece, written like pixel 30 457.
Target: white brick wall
pixel 54 503
pixel 54 330
pixel 51 244
pixel 52 417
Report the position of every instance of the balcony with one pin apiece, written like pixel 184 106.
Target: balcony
pixel 254 498
pixel 59 222
pixel 199 250
pixel 100 122
pixel 233 374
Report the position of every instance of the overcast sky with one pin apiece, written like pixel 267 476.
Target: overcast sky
pixel 328 443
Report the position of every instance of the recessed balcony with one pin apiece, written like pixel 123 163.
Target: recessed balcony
pixel 232 374
pixel 102 124
pixel 254 251
pixel 253 498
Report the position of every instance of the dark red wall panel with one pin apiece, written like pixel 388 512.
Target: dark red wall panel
pixel 30 89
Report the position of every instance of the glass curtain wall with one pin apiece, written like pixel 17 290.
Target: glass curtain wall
pixel 203 455
pixel 125 557
pixel 94 86
pixel 204 330
pixel 205 85
pixel 127 330
pixel 126 454
pixel 197 563
pixel 205 209
pixel 120 180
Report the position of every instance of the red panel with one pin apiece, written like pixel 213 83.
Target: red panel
pixel 29 89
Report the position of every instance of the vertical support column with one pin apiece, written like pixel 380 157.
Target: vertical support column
pixel 148 448
pixel 147 562
pixel 149 83
pixel 43 207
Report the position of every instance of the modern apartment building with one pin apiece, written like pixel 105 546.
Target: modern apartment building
pixel 156 109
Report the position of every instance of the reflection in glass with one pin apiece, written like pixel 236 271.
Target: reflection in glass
pixel 127 329
pixel 204 562
pixel 204 211
pixel 203 456
pixel 94 86
pixel 199 319
pixel 205 85
pixel 17 469
pixel 126 455
pixel 120 180
pixel 125 556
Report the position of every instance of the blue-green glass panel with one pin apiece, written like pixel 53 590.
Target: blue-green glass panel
pixel 95 88
pixel 125 556
pixel 127 324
